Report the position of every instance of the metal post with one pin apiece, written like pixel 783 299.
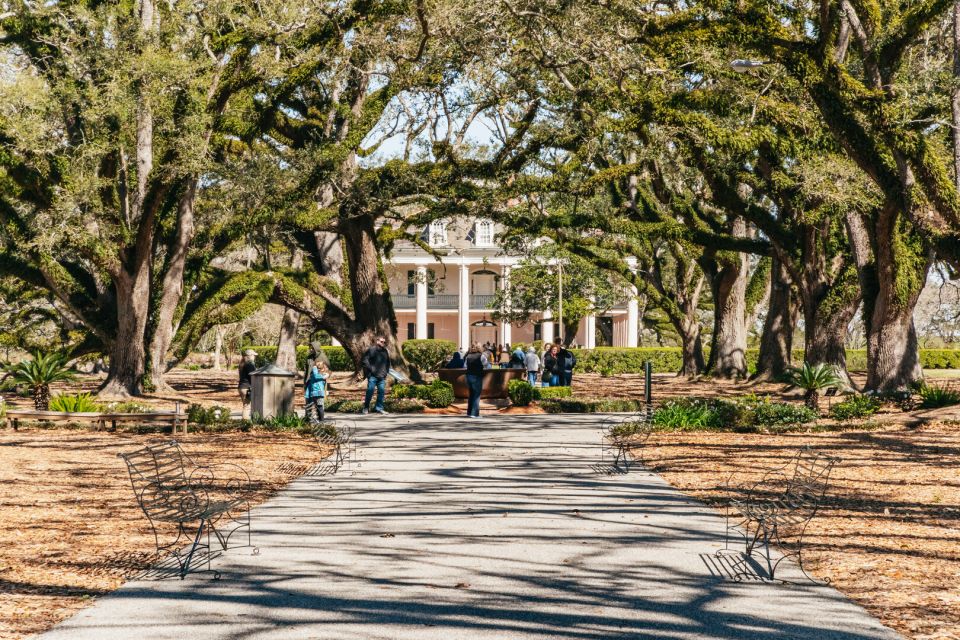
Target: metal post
pixel 647 391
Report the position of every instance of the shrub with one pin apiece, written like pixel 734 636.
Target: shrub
pixel 403 391
pixel 428 355
pixel 438 394
pixel 404 405
pixel 127 406
pixel 934 396
pixel 214 415
pixel 286 422
pixel 547 393
pixel 694 414
pixel 590 405
pixel 628 428
pixel 781 414
pixel 345 406
pixel 520 392
pixel 857 406
pixel 75 403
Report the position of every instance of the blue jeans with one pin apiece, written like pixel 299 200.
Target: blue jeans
pixel 550 380
pixel 380 384
pixel 474 384
pixel 566 379
pixel 532 378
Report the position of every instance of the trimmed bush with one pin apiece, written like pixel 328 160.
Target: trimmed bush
pixel 547 393
pixel 428 355
pixel 857 406
pixel 694 414
pixel 438 394
pixel 520 392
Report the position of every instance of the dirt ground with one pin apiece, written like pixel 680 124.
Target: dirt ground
pixel 70 529
pixel 889 535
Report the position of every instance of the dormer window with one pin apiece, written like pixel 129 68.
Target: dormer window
pixel 484 233
pixel 437 233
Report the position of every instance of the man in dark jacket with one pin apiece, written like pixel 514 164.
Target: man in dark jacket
pixel 567 361
pixel 376 367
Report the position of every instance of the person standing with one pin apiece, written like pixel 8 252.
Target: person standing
pixel 247 366
pixel 476 362
pixel 551 367
pixel 376 367
pixel 315 390
pixel 567 362
pixel 532 363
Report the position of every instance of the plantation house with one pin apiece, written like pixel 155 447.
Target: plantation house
pixel 451 298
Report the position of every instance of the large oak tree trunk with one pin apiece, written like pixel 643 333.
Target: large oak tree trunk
pixel 287 343
pixel 776 341
pixel 172 289
pixel 127 353
pixel 892 266
pixel 372 307
pixel 728 352
pixel 692 348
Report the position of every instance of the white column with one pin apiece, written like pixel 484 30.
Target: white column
pixel 335 342
pixel 590 340
pixel 506 333
pixel 547 333
pixel 464 306
pixel 633 319
pixel 421 290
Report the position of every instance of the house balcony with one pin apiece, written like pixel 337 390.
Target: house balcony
pixel 442 301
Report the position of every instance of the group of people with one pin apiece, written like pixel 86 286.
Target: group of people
pixel 554 367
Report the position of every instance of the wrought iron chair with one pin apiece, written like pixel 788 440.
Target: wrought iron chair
pixel 341 438
pixel 765 515
pixel 622 444
pixel 198 499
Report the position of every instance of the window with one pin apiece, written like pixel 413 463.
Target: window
pixel 484 233
pixel 412 331
pixel 437 233
pixel 412 282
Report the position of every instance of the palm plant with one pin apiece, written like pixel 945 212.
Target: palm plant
pixel 38 374
pixel 812 378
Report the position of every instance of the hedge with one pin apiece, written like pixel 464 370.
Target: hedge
pixel 603 360
pixel 614 360
pixel 338 357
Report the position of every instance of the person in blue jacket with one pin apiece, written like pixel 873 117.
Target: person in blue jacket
pixel 315 390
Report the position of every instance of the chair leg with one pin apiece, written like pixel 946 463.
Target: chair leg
pixel 193 548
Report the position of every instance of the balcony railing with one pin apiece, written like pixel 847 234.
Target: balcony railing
pixel 441 301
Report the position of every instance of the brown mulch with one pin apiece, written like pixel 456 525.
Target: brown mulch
pixel 889 534
pixel 70 529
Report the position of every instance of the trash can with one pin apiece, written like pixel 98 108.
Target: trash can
pixel 271 392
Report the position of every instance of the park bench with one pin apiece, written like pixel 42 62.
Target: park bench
pixel 176 419
pixel 341 439
pixel 779 508
pixel 621 445
pixel 199 499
